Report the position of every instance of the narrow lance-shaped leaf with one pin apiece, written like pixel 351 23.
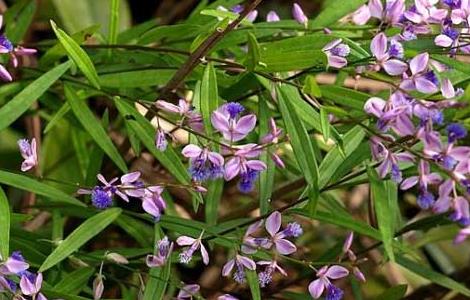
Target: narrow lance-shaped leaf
pixel 23 100
pixel 266 178
pixel 78 55
pixel 253 282
pixel 80 236
pixel 300 140
pixel 385 217
pixel 252 58
pixel 93 126
pixel 433 276
pixel 31 185
pixel 4 225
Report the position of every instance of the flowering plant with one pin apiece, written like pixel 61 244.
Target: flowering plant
pixel 243 151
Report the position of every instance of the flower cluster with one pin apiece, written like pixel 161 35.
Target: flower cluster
pixel 234 160
pixel 408 116
pixel 13 268
pixel 130 186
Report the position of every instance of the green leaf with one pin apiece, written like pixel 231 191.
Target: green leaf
pixel 333 160
pixel 78 55
pixel 114 22
pixel 135 79
pixel 455 64
pixel 18 19
pixel 325 124
pixel 209 98
pixel 300 140
pixel 80 236
pixel 253 282
pixel 345 97
pixel 74 282
pixel 93 126
pixel 333 12
pixel 385 216
pixel 31 185
pixel 23 100
pixel 433 276
pixel 4 225
pixel 253 56
pixel 283 61
pixel 311 87
pixel 57 51
pixel 394 293
pixel 266 178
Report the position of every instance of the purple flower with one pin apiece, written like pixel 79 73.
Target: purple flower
pixel 131 186
pixel 293 230
pixel 389 159
pixel 424 11
pixel 273 226
pixel 395 113
pixel 248 170
pixel 383 54
pixel 444 200
pixel 241 262
pixel 160 140
pixel 226 120
pixel 455 132
pixel 163 251
pixel 274 133
pixel 185 110
pixel 194 245
pixel 424 179
pixel 204 163
pixel 153 202
pixel 100 198
pixel 336 53
pixel 6 47
pixel 462 235
pixel 422 79
pixel 361 15
pixel 250 243
pixel 30 283
pixel 448 38
pixel 188 291
pixel 15 264
pixel 272 16
pixel 266 276
pixel 29 153
pixel 325 274
pixel 425 200
pixel 461 212
pixel 299 14
pixel 461 14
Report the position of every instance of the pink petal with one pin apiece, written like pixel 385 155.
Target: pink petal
pixel 273 223
pixel 443 40
pixel 378 47
pixel 395 67
pixel 232 168
pixel 205 255
pixel 337 62
pixel 245 124
pixel 191 151
pixel 185 240
pixel 131 177
pixel 166 106
pixel 316 288
pixel 361 15
pixel 336 272
pixel 256 165
pixel 425 86
pixel 447 89
pixel 219 121
pixel 228 267
pixel 285 247
pixel 376 8
pixel 247 262
pixel 409 183
pixel 375 106
pixel 419 63
pixel 4 74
